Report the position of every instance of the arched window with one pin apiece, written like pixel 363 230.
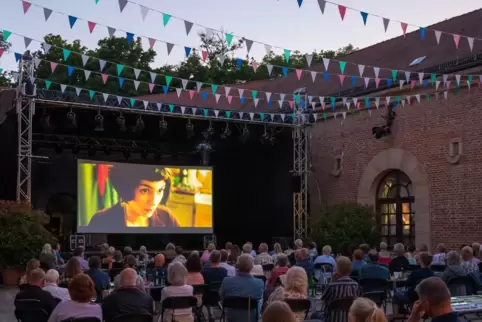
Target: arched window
pixel 395 207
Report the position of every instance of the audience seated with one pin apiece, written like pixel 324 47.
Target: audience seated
pixel 82 292
pixel 440 254
pixel 177 277
pixel 467 260
pixel 100 278
pixel 365 248
pixel 118 259
pixel 233 255
pixel 325 258
pixel 51 285
pixel 313 251
pixel 31 265
pixel 399 263
pixel 373 269
pixel 130 262
pixel 247 249
pixel 242 285
pixel 214 273
pixel 257 270
pixel 108 259
pixel 33 291
pixel 194 269
pixel 170 253
pixel 263 257
pixel 281 269
pixel 365 310
pixel 127 299
pixel 277 250
pixel 358 260
pixel 180 256
pixel 207 253
pixel 295 287
pixel 159 273
pixel 127 251
pixel 79 256
pixel 302 257
pixel 453 270
pixel 224 263
pixel 278 311
pixel 47 257
pixel 476 249
pixel 72 269
pixel 384 255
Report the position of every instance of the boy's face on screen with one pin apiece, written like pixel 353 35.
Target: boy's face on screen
pixel 147 197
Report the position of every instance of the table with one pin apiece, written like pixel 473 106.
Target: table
pixel 467 304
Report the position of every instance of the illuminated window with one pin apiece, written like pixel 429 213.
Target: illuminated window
pixel 395 208
pixel 417 61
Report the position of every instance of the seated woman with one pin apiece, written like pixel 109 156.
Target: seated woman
pixel 365 310
pixel 72 269
pixel 385 257
pixel 194 276
pixel 399 263
pixel 177 278
pixel 452 270
pixel 108 259
pixel 31 265
pixel 47 258
pixel 440 254
pixel 82 292
pixel 295 287
pixel 281 269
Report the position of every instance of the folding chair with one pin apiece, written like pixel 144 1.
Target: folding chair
pixel 246 304
pixel 133 317
pixel 82 319
pixel 30 310
pixel 299 305
pixel 340 305
pixel 176 303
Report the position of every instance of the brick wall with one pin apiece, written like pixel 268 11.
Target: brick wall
pixel 424 130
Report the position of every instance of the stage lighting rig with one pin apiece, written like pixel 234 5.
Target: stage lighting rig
pixel 244 134
pixel 121 121
pixel 99 122
pixel 189 129
pixel 72 119
pixel 266 137
pixel 162 126
pixel 381 131
pixel 226 132
pixel 139 124
pixel 205 148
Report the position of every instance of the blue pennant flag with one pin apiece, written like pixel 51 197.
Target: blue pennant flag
pixel 285 70
pixel 70 69
pixel 121 81
pixel 300 2
pixel 394 104
pixel 18 56
pixel 130 37
pixel 367 102
pixel 241 99
pixel 364 17
pixel 270 103
pixel 425 82
pixel 333 102
pixel 422 33
pixel 204 96
pixel 302 103
pixel 72 21
pixel 239 62
pixel 353 81
pixel 389 82
pixel 326 76
pixel 187 50
pixel 165 89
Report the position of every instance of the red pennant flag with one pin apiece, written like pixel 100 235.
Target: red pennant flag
pixel 292 104
pixel 342 10
pixel 53 66
pixel 377 82
pixel 342 78
pixel 191 93
pixel 230 98
pixel 91 25
pixel 404 28
pixel 456 40
pixel 151 87
pixel 1 51
pixel 152 42
pixel 255 67
pixel 298 73
pixel 412 84
pixel 26 5
pixel 104 78
pixel 204 55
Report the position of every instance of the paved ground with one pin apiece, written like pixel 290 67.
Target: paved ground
pixel 7 297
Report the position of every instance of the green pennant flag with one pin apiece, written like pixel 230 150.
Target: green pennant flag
pixel 427 97
pixel 324 116
pixel 91 94
pixel 168 80
pixel 261 115
pixel 6 34
pixel 133 101
pixel 47 84
pixel 293 116
pixel 433 77
pixel 205 111
pixel 469 79
pixel 342 66
pixel 297 98
pixel 214 88
pixel 394 74
pixel 165 18
pixel 171 108
pixel 287 55
pixel 398 99
pixel 120 68
pixel 228 114
pixel 66 53
pixel 96 1
pixel 1 70
pixel 229 39
pixel 254 94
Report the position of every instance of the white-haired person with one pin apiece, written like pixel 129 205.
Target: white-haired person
pixel 177 278
pixel 207 253
pixel 452 270
pixel 263 257
pixel 52 285
pixel 47 258
pixel 325 258
pixel 365 310
pixel 248 249
pixel 399 262
pixel 295 287
pixel 384 256
pixel 277 251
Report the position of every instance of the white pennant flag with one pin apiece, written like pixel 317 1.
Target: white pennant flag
pixel 335 114
pixel 105 96
pixel 87 74
pixel 199 85
pixel 159 106
pixel 280 102
pixel 326 63
pixel 144 12
pixel 137 72
pixel 387 101
pixel 315 116
pixel 183 109
pixel 256 100
pixel 222 58
pixel 348 105
pixel 344 100
pixel 282 96
pixel 184 83
pixel 267 48
pixel 418 98
pixel 251 116
pixel 153 77
pixel 46 47
pixel 445 78
pixel 313 105
pixel 194 110
pixel 437 36
pixel 78 90
pixel 407 77
pixel 146 103
pixel 310 98
pixel 102 64
pixel 309 59
pixel 227 90
pixel 344 115
pixel 376 70
pixel 457 79
pixel 446 94
pixel 217 96
pixel 216 113
pixel 361 69
pixel 313 76
pixel 270 68
pixel 321 98
pixel 420 77
pixel 268 96
pixel 402 82
pixel 282 117
pixel 367 81
pixel 377 102
pixel 136 84
pixel 178 91
pixel 355 101
pixel 437 84
pixel 85 59
pixel 468 84
pixel 471 42
pixel 241 92
pixel 63 87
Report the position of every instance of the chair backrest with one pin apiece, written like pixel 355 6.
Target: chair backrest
pixel 261 277
pixel 199 289
pixel 179 302
pixel 268 267
pixel 215 286
pixel 373 284
pixel 437 268
pixel 324 267
pixel 240 303
pixel 376 296
pixel 83 319
pixel 299 305
pixel 133 317
pixel 30 310
pixel 340 305
pixel 458 285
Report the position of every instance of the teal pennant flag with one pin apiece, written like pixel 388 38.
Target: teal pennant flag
pixel 287 55
pixel 229 39
pixel 132 101
pixel 47 84
pixel 168 81
pixel 214 88
pixel 394 74
pixel 120 68
pixel 66 53
pixel 6 34
pixel 342 66
pixel 165 18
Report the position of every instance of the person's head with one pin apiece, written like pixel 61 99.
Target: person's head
pixel 298 243
pixel 79 252
pixel 228 246
pixel 247 248
pixel 365 310
pixel 143 250
pixel 383 246
pixel 435 296
pixel 72 268
pixel 118 256
pixel 423 248
pixel 244 264
pixel 441 248
pixel 453 258
pixel 358 255
pixel 224 255
pixel 263 248
pixel 127 250
pixel 277 248
pixel 130 261
pixel 171 247
pixel 215 257
pixel 176 274
pixel 37 277
pixel 373 256
pixel 179 250
pixel 31 265
pixel 467 253
pixel 109 254
pixel 52 276
pixel 94 262
pixel 82 289
pixel 282 260
pixel 326 250
pixel 128 278
pixel 278 311
pixel 425 259
pixel 303 254
pixel 47 249
pixel 313 245
pixel 399 249
pixel 365 248
pixel 112 249
pixel 296 280
pixel 193 263
pixel 411 249
pixel 343 266
pixel 144 189
pixel 211 247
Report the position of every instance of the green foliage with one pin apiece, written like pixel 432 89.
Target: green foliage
pixel 23 234
pixel 344 226
pixel 5 78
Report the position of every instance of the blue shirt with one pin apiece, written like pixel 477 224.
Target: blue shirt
pixel 307 265
pixel 100 279
pixel 214 274
pixel 323 259
pixel 357 264
pixel 374 270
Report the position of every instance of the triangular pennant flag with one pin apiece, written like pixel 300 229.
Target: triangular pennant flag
pixel 144 12
pixel 280 102
pixel 229 39
pixel 137 72
pixel 230 99
pixel 251 116
pixel 402 82
pixel 420 77
pixel 285 70
pixel 152 42
pixel 386 22
pixel 47 84
pixel 425 83
pixel 72 21
pixel 309 59
pixel 105 96
pixel 300 2
pixel 87 74
pixel 132 101
pixel 255 66
pixel 437 35
pixel 85 59
pixel 120 68
pixel 217 96
pixel 66 53
pixel 47 13
pixel 91 26
pixel 394 74
pixel 184 83
pixel 36 61
pixel 291 103
pixel 367 81
pixel 342 10
pixel 27 41
pixel 214 88
pixel 249 44
pixel 387 101
pixel 168 80
pixel 130 37
pixel 364 17
pixel 268 96
pixel 322 4
pixel 165 18
pixel 287 53
pixel 326 63
pixel 412 83
pixel 191 93
pixel 355 101
pixel 239 63
pixel 91 94
pixel 101 64
pixel 456 40
pixel 70 70
pixel 216 113
pixel 165 89
pixel 151 87
pixel 361 69
pixel 256 100
pixel 121 81
pixel 313 76
pixel 342 66
pixel 254 93
pixel 18 56
pixel 204 55
pixel 153 77
pixel 188 26
pixel 63 87
pixel 146 103
pixel 457 80
pixel 377 82
pixel 433 77
pixel 267 48
pixel 227 90
pixel 471 42
pixel 270 69
pixel 222 58
pixel 298 73
pixel 353 81
pixel 183 109
pixel 111 31
pixel 445 78
pixel 417 97
pixel 407 76
pixel 6 35
pixel 179 91
pixel 377 102
pixel 199 85
pixel 342 79
pixel 404 28
pixel 159 106
pixel 437 84
pixel 136 84
pixel 422 33
pixel 187 50
pixel 78 90
pixel 122 4
pixel 26 5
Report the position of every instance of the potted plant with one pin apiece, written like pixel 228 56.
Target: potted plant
pixel 22 236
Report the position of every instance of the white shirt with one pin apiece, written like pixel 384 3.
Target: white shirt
pixel 58 292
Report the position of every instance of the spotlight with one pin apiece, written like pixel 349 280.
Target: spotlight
pixel 139 124
pixel 72 119
pixel 144 154
pixel 244 134
pixel 189 129
pixel 205 149
pixel 226 132
pixel 265 138
pixel 162 126
pixel 58 148
pixel 99 122
pixel 91 151
pixel 121 121
pixel 126 153
pixel 210 131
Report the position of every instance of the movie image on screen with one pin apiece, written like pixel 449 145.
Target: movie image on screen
pixel 136 198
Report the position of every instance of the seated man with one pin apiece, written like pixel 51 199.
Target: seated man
pixel 130 262
pixel 302 257
pixel 100 278
pixel 33 291
pixel 214 273
pixel 127 298
pixel 51 286
pixel 372 269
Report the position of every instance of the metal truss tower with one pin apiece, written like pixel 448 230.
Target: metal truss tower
pixel 25 107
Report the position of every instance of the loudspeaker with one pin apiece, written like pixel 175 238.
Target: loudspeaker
pixel 295 183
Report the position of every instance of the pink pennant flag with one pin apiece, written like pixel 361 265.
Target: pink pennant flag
pixel 53 66
pixel 342 10
pixel 412 84
pixel 298 73
pixel 456 40
pixel 342 78
pixel 152 42
pixel 26 5
pixel 230 98
pixel 1 51
pixel 191 93
pixel 151 87
pixel 104 78
pixel 358 105
pixel 292 104
pixel 377 82
pixel 448 84
pixel 404 28
pixel 91 26
pixel 204 54
pixel 255 67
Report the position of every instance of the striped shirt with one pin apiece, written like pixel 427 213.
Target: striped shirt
pixel 343 287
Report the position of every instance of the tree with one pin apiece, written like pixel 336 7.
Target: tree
pixel 344 226
pixel 5 78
